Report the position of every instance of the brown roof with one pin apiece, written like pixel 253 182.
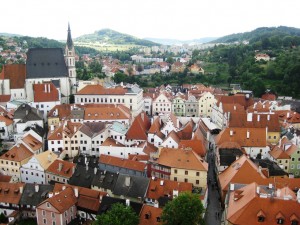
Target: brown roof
pixel 235 99
pixel 63 111
pixel 140 126
pixel 183 159
pixel 150 148
pixel 71 128
pixel 100 90
pixel 66 168
pixel 246 205
pixel 195 145
pixel 258 121
pixel 7 120
pixel 32 142
pixel 174 136
pixel 56 134
pixel 233 108
pixel 257 136
pixel 269 96
pixel 62 201
pixel 87 198
pixel 17 153
pixel 123 163
pixel 111 142
pixel 186 132
pixel 5 178
pixel 10 192
pixel 16 73
pixel 149 215
pixel 155 126
pixel 279 153
pixel 160 188
pixel 45 92
pixel 5 98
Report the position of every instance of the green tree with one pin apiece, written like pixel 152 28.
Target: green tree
pixel 170 60
pixel 119 214
pixel 186 209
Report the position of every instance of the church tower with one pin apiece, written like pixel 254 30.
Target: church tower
pixel 70 61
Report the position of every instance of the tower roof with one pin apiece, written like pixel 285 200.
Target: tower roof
pixel 69 38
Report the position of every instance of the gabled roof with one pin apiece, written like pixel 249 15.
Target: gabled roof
pixel 139 127
pixel 186 132
pixel 92 129
pixel 5 98
pixel 45 63
pixel 249 205
pixel 122 163
pixel 66 168
pixel 6 120
pixel 83 176
pixel 26 113
pixel 105 180
pixel 16 73
pixel 100 90
pixel 173 136
pixel 183 159
pixel 111 142
pixel 71 128
pixel 155 126
pixel 10 192
pixel 236 99
pixel 105 112
pixel 17 153
pixel 257 136
pixel 46 159
pixel 279 153
pixel 45 92
pixel 160 188
pixel 56 134
pixel 62 201
pixel 32 142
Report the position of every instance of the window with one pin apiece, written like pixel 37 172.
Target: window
pixel 186 172
pixel 43 213
pixel 175 171
pixel 197 181
pixel 44 221
pixel 280 221
pixel 197 174
pixel 175 178
pixel 186 180
pixel 53 215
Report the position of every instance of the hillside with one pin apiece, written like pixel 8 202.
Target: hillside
pixel 259 33
pixel 111 37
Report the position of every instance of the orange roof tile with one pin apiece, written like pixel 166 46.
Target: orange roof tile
pixel 32 142
pixel 16 73
pixel 173 136
pixel 195 145
pixel 67 168
pixel 6 120
pixel 111 142
pixel 140 126
pixel 160 188
pixel 183 159
pixel 269 96
pixel 5 98
pixel 257 136
pixel 279 153
pixel 10 192
pixel 235 99
pixel 17 153
pixel 62 201
pixel 155 126
pixel 149 215
pixel 45 92
pixel 100 90
pixel 186 132
pixel 247 208
pixel 124 163
pixel 105 112
pixel 56 134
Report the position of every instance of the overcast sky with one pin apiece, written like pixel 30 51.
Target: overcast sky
pixel 176 19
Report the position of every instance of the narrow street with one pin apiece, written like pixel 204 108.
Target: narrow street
pixel 214 211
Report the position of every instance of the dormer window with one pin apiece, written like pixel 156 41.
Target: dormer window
pixel 261 219
pixel 280 221
pixel 280 218
pixel 261 216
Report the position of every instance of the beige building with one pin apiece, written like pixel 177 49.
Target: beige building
pixel 206 102
pixel 180 165
pixel 11 161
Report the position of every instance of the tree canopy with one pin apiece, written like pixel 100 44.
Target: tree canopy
pixel 119 214
pixel 186 209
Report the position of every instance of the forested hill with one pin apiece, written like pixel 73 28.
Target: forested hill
pixel 41 42
pixel 108 36
pixel 282 32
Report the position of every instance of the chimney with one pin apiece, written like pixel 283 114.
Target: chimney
pixel 21 189
pixel 50 194
pixel 49 88
pixel 73 169
pixel 76 192
pixel 161 182
pixel 127 181
pixel 258 118
pixel 175 193
pixel 52 127
pixel 248 134
pixel 45 85
pixel 63 187
pixel 257 189
pixel 142 115
pixel 95 170
pixel 249 117
pixel 56 193
pixel 278 193
pixel 268 117
pixel 234 107
pixel 87 167
pixel 288 115
pixel 259 169
pixel 156 204
pixel 231 187
pixel 270 185
pixel 60 166
pixel 36 187
pixel 127 202
pixel 231 132
pixel 298 195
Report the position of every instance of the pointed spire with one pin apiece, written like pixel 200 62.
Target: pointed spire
pixel 69 39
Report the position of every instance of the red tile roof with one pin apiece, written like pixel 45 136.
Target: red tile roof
pixel 235 99
pixel 105 112
pixel 56 134
pixel 139 128
pixel 17 153
pixel 6 120
pixel 269 96
pixel 10 192
pixel 16 73
pixel 66 168
pixel 149 215
pixel 45 92
pixel 5 98
pixel 160 188
pixel 123 163
pixel 100 90
pixel 32 142
pixel 196 145
pixel 186 132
